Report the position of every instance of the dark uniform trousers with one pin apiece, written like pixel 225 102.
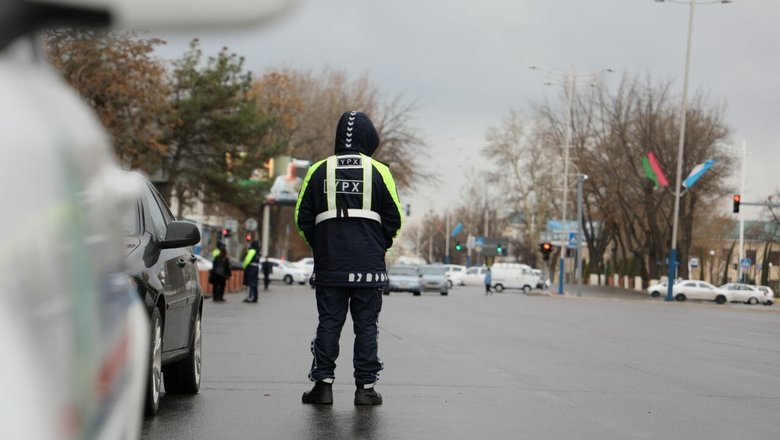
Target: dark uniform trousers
pixel 332 304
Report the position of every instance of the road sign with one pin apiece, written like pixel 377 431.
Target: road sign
pixel 457 229
pixel 231 224
pixel 745 262
pixel 694 262
pixel 250 224
pixel 573 242
pixel 479 241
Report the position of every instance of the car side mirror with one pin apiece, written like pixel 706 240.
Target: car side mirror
pixel 180 234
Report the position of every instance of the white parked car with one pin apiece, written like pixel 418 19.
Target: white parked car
pixel 287 272
pixel 203 263
pixel 700 290
pixel 769 295
pixel 474 276
pixel 455 274
pixel 744 293
pixel 306 264
pixel 658 289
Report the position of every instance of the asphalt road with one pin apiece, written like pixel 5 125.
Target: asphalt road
pixel 505 366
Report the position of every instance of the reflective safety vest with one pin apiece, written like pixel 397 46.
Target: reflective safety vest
pixel 344 186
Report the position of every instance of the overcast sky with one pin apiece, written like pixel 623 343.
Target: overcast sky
pixel 466 64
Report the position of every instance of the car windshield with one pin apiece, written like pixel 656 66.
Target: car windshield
pixel 432 270
pixel 403 270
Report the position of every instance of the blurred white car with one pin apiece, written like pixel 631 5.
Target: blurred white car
pixel 658 289
pixel 700 290
pixel 203 263
pixel 74 332
pixel 769 295
pixel 744 293
pixel 474 276
pixel 306 264
pixel 455 274
pixel 282 270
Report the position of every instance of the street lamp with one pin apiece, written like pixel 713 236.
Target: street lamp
pixel 567 79
pixel 684 110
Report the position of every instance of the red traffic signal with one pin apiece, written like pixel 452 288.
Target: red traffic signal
pixel 737 200
pixel 226 232
pixel 546 248
pixel 248 236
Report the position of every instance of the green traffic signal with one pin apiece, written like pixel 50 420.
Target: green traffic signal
pixel 499 249
pixel 458 247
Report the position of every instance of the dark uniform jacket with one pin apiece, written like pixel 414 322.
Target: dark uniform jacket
pixel 350 226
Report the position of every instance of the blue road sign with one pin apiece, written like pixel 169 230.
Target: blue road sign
pixel 479 241
pixel 456 230
pixel 745 262
pixel 573 242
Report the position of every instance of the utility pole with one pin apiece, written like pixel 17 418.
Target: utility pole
pixel 742 218
pixel 447 237
pixel 568 83
pixel 580 181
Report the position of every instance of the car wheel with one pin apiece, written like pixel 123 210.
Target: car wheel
pixel 154 381
pixel 499 287
pixel 444 292
pixel 720 299
pixel 288 279
pixel 449 284
pixel 680 297
pixel 526 289
pixel 655 294
pixel 753 300
pixel 416 293
pixel 183 377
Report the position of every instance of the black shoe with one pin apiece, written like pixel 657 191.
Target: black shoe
pixel 367 396
pixel 247 300
pixel 321 393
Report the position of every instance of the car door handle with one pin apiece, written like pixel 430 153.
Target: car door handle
pixel 182 262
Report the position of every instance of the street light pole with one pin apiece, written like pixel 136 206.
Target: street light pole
pixel 681 145
pixel 569 80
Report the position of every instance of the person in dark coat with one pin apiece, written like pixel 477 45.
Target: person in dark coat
pixel 267 267
pixel 252 271
pixel 349 213
pixel 220 272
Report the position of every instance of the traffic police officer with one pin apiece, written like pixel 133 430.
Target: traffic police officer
pixel 349 213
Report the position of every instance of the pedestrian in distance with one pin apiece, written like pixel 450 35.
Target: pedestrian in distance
pixel 488 282
pixel 267 267
pixel 349 213
pixel 251 266
pixel 220 272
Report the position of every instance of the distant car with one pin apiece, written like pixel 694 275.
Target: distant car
pixel 203 263
pixel 433 277
pixel 744 293
pixel 307 264
pixel 404 278
pixel 474 276
pixel 455 274
pixel 702 290
pixel 769 295
pixel 161 261
pixel 282 270
pixel 658 289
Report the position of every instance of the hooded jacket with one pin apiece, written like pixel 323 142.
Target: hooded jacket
pixel 348 209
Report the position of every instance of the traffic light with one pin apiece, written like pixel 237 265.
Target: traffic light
pixel 546 248
pixel 499 249
pixel 226 233
pixel 248 236
pixel 737 199
pixel 458 247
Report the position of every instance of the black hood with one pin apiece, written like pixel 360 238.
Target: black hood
pixel 356 134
